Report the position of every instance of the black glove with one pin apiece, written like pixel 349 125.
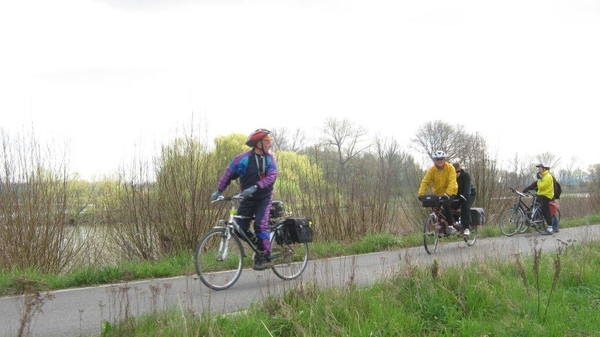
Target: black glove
pixel 525 191
pixel 249 191
pixel 420 197
pixel 445 197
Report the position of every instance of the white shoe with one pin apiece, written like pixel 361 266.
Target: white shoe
pixel 550 230
pixel 466 232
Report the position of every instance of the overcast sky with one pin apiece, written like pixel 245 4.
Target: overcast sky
pixel 113 78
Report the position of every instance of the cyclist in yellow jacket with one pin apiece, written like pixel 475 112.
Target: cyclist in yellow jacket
pixel 545 191
pixel 441 177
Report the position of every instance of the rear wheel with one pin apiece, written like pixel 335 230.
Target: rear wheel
pixel 511 221
pixel 539 222
pixel 288 259
pixel 431 231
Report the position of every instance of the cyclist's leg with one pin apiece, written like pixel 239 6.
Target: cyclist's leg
pixel 261 224
pixel 446 206
pixel 465 213
pixel 555 215
pixel 545 206
pixel 246 211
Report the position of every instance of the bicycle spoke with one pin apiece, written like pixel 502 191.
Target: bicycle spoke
pixel 218 261
pixel 288 259
pixel 431 231
pixel 539 222
pixel 511 221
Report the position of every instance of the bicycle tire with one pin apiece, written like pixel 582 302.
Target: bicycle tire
pixel 539 222
pixel 525 225
pixel 472 238
pixel 511 221
pixel 431 231
pixel 216 272
pixel 288 260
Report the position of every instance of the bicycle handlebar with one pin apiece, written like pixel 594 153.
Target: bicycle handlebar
pixel 521 193
pixel 224 198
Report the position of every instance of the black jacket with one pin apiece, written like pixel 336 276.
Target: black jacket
pixel 464 185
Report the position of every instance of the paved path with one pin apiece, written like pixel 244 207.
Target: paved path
pixel 79 312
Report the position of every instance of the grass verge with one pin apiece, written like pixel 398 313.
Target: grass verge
pixel 556 294
pixel 14 282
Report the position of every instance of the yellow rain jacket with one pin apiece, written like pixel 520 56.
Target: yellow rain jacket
pixel 442 181
pixel 545 186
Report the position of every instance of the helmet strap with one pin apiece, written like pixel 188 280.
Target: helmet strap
pixel 260 149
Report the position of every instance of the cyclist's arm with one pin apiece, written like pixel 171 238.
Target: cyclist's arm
pixel 425 182
pixel 531 186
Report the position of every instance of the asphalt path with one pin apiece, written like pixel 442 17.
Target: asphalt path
pixel 80 312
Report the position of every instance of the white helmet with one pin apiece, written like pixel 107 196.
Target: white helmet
pixel 439 155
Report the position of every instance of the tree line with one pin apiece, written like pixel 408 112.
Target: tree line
pixel 350 184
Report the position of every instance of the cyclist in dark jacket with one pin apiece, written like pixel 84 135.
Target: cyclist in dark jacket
pixel 465 195
pixel 257 172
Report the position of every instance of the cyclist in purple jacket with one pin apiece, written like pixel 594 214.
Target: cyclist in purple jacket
pixel 256 170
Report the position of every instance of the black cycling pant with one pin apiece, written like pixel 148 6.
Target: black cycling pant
pixel 545 205
pixel 465 210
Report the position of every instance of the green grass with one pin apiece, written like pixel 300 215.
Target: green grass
pixel 556 294
pixel 13 282
pixel 533 297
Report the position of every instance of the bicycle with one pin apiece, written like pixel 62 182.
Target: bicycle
pixel 219 255
pixel 436 225
pixel 521 216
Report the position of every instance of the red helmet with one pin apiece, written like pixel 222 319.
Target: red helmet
pixel 257 135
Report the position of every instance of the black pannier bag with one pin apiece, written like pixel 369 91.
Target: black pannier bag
pixel 430 200
pixel 477 216
pixel 280 233
pixel 299 230
pixel 276 209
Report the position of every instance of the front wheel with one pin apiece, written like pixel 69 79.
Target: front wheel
pixel 431 232
pixel 219 259
pixel 511 221
pixel 288 260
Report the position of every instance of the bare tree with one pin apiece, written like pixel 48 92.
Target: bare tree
pixel 439 135
pixel 548 159
pixel 347 139
pixel 389 157
pixel 294 141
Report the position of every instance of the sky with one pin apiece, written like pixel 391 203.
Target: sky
pixel 114 79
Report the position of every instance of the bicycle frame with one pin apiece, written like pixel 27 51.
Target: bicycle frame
pixel 438 213
pixel 436 226
pixel 521 216
pixel 219 255
pixel 527 209
pixel 233 228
